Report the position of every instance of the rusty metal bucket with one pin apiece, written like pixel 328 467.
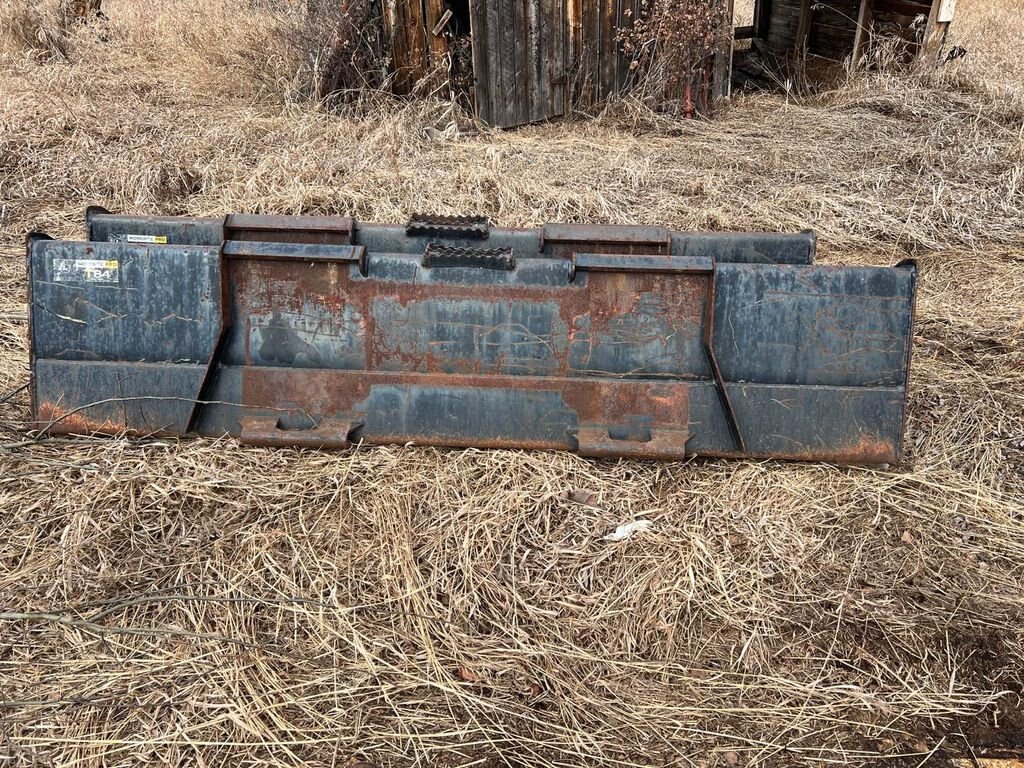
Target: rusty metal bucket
pixel 611 341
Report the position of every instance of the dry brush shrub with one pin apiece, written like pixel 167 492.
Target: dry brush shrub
pixel 47 30
pixel 339 48
pixel 33 27
pixel 672 46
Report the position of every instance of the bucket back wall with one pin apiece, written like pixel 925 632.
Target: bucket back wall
pixel 610 341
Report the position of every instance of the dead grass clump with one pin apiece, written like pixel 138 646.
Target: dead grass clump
pixel 29 26
pixel 339 49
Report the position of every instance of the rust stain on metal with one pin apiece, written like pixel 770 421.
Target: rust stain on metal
pixel 55 420
pixel 271 433
pixel 395 321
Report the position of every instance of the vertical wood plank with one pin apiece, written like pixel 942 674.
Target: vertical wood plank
pixel 417 39
pixel 623 22
pixel 616 14
pixel 574 52
pixel 501 21
pixel 482 69
pixel 608 48
pixel 597 46
pixel 515 34
pixel 934 35
pixel 803 30
pixel 610 34
pixel 521 42
pixel 539 61
pixel 437 45
pixel 559 27
pixel 762 18
pixel 551 22
pixel 524 62
pixel 862 35
pixel 721 85
pixel 628 14
pixel 595 49
pixel 400 45
pixel 495 61
pixel 586 53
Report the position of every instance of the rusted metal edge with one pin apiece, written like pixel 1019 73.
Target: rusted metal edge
pixel 343 225
pixel 665 444
pixel 30 240
pixel 737 247
pixel 651 264
pixel 68 420
pixel 305 252
pixel 208 383
pixel 328 434
pixel 605 233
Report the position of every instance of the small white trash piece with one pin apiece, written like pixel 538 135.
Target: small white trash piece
pixel 626 530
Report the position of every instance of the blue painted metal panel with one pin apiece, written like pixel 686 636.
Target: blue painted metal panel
pixel 554 240
pixel 115 301
pixel 842 326
pixel 83 397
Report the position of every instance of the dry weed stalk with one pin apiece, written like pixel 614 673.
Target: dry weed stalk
pixel 31 26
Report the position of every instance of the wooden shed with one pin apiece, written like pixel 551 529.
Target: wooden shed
pixel 841 29
pixel 523 61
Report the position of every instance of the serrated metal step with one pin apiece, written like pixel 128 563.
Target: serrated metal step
pixel 441 255
pixel 466 227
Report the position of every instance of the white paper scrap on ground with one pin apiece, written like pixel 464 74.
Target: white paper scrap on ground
pixel 626 530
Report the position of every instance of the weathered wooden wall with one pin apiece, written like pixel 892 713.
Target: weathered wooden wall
pixel 595 28
pixel 532 59
pixel 414 49
pixel 519 58
pixel 832 29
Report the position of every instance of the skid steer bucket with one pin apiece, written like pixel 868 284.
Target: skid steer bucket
pixel 610 341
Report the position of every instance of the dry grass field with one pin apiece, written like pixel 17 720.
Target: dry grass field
pixel 199 603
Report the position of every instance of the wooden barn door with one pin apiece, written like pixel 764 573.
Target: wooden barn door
pixel 519 59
